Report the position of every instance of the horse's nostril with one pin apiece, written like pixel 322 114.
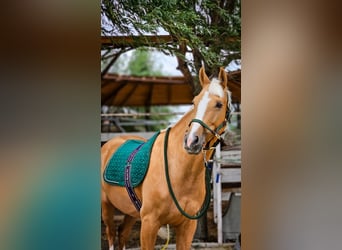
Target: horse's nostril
pixel 195 139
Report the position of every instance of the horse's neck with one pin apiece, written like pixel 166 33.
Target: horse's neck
pixel 185 165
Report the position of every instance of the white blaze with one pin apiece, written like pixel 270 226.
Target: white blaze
pixel 215 88
pixel 202 107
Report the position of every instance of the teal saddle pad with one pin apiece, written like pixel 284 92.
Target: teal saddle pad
pixel 115 169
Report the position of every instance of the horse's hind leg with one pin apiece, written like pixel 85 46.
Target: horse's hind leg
pixel 108 219
pixel 125 229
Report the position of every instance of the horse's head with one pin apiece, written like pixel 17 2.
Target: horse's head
pixel 210 112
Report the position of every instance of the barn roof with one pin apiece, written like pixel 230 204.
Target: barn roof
pixel 121 90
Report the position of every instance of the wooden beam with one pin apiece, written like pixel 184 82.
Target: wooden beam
pixel 146 79
pixel 135 41
pixel 125 41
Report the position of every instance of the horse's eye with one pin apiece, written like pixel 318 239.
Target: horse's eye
pixel 218 105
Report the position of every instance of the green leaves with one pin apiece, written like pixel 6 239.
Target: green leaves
pixel 211 28
pixel 141 64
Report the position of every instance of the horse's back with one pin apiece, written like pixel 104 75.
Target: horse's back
pixel 108 149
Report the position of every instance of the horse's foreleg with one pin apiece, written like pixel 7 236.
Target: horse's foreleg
pixel 148 233
pixel 108 219
pixel 185 234
pixel 125 229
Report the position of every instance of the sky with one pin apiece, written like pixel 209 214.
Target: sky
pixel 169 64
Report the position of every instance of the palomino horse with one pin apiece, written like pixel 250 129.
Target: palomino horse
pixel 184 149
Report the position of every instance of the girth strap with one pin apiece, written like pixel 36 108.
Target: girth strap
pixel 128 184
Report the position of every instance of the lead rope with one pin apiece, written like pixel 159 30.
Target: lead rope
pixel 206 201
pixel 168 238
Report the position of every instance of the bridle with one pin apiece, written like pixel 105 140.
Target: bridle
pixel 218 131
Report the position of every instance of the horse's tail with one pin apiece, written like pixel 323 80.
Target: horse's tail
pixel 164 232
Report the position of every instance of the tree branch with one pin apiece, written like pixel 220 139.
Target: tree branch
pixel 182 65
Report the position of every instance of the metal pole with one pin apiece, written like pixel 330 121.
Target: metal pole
pixel 218 191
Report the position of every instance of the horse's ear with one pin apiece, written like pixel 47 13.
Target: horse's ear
pixel 204 80
pixel 223 77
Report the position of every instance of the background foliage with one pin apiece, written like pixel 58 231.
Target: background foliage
pixel 208 30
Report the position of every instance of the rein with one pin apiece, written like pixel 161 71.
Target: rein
pixel 217 133
pixel 206 201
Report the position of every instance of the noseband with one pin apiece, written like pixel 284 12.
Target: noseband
pixel 217 132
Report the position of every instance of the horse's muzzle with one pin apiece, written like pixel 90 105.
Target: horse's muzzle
pixel 193 144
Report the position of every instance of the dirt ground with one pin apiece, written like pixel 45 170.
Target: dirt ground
pixel 135 234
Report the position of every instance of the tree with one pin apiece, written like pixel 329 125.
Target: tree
pixel 141 64
pixel 209 30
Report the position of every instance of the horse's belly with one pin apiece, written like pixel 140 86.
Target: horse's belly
pixel 119 198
